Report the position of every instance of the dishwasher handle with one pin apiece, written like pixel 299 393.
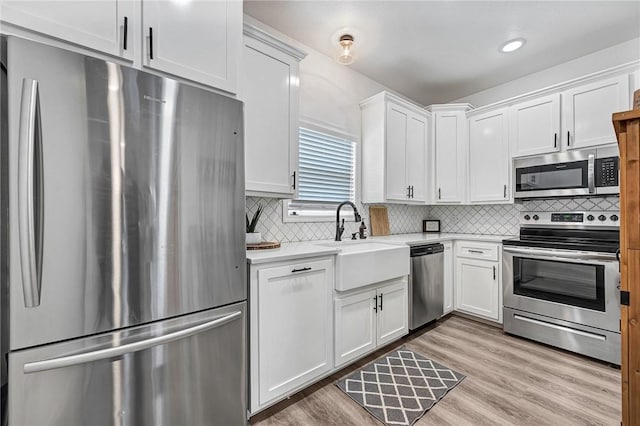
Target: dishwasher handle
pixel 426 250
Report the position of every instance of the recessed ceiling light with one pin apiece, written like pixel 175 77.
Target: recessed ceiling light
pixel 512 45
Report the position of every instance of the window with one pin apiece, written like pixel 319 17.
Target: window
pixel 326 176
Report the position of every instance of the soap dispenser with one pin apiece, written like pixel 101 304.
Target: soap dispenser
pixel 362 229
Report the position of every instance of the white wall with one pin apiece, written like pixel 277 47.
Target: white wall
pixel 607 58
pixel 330 93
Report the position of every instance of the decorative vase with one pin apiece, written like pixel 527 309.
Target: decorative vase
pixel 254 237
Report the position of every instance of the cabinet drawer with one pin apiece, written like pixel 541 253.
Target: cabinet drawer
pixel 477 250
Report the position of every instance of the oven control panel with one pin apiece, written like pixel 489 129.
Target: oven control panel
pixel 579 218
pixel 567 217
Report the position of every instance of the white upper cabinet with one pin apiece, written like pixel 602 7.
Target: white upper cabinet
pixel 489 160
pixel 197 40
pixel 269 87
pixel 449 143
pixel 396 152
pixel 587 109
pixel 417 129
pixel 105 26
pixel 394 141
pixel 535 126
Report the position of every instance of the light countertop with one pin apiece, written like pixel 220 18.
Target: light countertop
pixel 422 238
pixel 300 250
pixel 290 251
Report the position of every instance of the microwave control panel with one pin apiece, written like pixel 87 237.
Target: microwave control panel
pixel 606 171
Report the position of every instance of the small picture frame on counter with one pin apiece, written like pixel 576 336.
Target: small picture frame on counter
pixel 430 225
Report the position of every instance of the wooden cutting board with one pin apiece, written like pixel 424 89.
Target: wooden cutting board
pixel 379 221
pixel 265 245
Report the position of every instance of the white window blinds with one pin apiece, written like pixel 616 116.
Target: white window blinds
pixel 326 168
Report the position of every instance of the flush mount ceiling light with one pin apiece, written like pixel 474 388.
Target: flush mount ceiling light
pixel 512 45
pixel 346 42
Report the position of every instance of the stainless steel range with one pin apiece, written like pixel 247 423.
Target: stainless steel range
pixel 561 282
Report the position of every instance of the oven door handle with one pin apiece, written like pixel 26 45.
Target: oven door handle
pixel 561 254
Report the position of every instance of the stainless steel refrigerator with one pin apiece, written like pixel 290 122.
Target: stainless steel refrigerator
pixel 123 255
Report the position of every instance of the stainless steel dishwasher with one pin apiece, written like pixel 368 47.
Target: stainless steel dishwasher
pixel 426 284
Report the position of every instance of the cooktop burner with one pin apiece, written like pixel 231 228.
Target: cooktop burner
pixel 580 231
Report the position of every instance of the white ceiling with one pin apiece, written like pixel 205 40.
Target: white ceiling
pixel 438 51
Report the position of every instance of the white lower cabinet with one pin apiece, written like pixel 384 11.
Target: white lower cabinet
pixel 291 328
pixel 478 287
pixel 369 319
pixel 355 327
pixel 448 278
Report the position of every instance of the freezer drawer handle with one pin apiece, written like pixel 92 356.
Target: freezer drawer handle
pixel 30 192
pixel 83 358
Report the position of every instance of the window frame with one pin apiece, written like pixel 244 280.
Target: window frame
pixel 327 214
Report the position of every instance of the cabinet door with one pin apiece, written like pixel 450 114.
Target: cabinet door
pixel 98 25
pixel 449 134
pixel 477 288
pixel 396 138
pixel 198 40
pixel 271 125
pixel 355 326
pixel 416 150
pixel 448 278
pixel 489 160
pixel 587 109
pixel 393 313
pixel 294 326
pixel 535 126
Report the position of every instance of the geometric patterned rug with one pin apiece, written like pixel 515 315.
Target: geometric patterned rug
pixel 399 387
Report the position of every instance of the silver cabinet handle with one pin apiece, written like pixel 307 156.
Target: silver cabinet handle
pixel 83 358
pixel 494 273
pixel 300 270
pixel 475 251
pixel 568 138
pixel 29 181
pixel 591 173
pixel 439 194
pixel 555 140
pixel 505 191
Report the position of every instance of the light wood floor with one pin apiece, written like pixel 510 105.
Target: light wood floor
pixel 510 381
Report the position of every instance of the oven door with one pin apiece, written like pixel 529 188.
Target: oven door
pixel 580 287
pixel 556 175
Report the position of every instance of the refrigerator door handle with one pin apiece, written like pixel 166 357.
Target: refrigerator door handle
pixel 30 192
pixel 92 356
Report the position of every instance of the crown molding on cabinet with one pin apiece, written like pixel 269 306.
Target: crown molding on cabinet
pixel 387 96
pixel 464 107
pixel 259 34
pixel 629 67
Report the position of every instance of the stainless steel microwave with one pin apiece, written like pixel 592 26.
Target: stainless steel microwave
pixel 568 174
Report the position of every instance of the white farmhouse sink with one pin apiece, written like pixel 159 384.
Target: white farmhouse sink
pixel 362 263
